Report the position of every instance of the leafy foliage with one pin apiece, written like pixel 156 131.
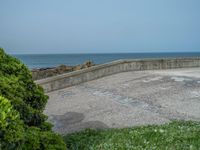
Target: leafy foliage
pixel 14 135
pixel 44 140
pixel 11 127
pixel 23 125
pixel 179 135
pixel 17 85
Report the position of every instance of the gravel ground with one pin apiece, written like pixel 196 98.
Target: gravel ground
pixel 127 99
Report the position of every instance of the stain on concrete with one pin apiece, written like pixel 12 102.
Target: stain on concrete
pixel 73 121
pixel 64 94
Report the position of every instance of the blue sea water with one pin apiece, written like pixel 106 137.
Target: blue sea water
pixel 52 60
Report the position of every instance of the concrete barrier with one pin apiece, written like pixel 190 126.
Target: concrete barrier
pixel 84 75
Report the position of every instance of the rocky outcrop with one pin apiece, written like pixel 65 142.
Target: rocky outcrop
pixel 42 73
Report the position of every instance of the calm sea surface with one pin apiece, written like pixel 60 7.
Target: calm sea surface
pixel 51 60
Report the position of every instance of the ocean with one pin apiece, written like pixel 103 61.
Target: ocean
pixel 52 60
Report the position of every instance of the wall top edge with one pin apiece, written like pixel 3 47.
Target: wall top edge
pixel 120 61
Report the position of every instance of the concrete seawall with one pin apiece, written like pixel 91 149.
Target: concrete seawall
pixel 84 75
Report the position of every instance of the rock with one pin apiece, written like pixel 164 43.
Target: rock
pixel 88 64
pixel 77 68
pixel 52 71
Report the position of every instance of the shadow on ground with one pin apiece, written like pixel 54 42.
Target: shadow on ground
pixel 73 122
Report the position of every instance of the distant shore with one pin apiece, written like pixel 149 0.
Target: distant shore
pixel 46 72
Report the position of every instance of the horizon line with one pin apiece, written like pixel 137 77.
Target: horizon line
pixel 105 53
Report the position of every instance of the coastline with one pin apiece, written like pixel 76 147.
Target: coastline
pixel 41 73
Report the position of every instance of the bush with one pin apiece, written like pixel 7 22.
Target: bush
pixel 17 85
pixel 14 134
pixel 44 140
pixel 11 127
pixel 22 122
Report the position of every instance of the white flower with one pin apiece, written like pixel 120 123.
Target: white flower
pixel 162 131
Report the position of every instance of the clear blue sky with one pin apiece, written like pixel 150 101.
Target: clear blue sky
pixel 99 26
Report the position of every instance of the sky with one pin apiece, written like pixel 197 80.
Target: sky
pixel 99 26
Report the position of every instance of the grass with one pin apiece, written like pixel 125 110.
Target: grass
pixel 177 135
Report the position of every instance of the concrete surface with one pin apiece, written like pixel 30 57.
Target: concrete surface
pixel 76 77
pixel 127 99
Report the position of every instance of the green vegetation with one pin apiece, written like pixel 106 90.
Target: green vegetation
pixel 177 135
pixel 11 133
pixel 22 122
pixel 18 87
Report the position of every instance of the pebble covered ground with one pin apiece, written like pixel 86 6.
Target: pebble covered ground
pixel 127 99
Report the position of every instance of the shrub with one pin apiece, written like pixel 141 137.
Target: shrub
pixel 14 134
pixel 17 85
pixel 44 140
pixel 11 127
pixel 22 122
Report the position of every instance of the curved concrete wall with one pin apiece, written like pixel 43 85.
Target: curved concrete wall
pixel 77 77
